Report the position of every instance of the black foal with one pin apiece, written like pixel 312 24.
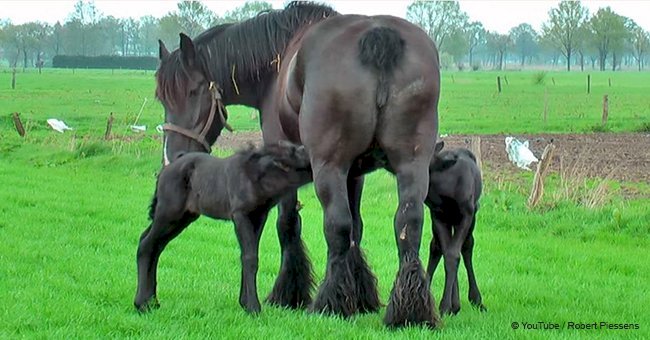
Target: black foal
pixel 242 188
pixel 454 190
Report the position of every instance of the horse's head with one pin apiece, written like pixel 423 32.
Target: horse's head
pixel 194 111
pixel 279 167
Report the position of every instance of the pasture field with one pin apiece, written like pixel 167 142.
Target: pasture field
pixel 469 104
pixel 72 207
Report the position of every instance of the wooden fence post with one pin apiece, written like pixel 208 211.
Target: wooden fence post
pixel 475 148
pixel 109 127
pixel 499 83
pixel 588 83
pixel 538 182
pixel 18 124
pixel 13 78
pixel 605 109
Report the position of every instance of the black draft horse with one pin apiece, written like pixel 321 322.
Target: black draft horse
pixel 355 90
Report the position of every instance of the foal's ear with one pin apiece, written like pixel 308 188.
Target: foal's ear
pixel 187 50
pixel 439 146
pixel 163 52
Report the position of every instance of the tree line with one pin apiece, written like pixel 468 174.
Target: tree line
pixel 571 36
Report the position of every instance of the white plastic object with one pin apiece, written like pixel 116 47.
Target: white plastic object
pixel 58 125
pixel 519 153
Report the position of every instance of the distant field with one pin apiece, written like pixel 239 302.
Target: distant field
pixel 73 206
pixel 469 102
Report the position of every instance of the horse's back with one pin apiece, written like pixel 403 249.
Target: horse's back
pixel 340 85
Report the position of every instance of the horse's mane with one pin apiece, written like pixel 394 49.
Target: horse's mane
pixel 241 51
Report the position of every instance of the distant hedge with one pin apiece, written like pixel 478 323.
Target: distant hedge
pixel 110 62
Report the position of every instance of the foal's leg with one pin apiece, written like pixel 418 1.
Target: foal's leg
pixel 365 281
pixel 467 250
pixel 410 301
pixel 153 241
pixel 451 253
pixel 248 228
pixel 435 251
pixel 295 281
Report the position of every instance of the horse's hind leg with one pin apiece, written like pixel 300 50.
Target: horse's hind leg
pixel 152 242
pixel 295 281
pixel 337 293
pixel 467 252
pixel 365 281
pixel 410 301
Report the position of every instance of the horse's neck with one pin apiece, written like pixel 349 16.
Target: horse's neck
pixel 251 93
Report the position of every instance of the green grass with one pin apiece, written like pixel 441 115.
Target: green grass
pixel 73 207
pixel 469 101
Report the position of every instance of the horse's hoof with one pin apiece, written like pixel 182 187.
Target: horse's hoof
pixel 447 309
pixel 481 308
pixel 253 308
pixel 410 301
pixel 147 306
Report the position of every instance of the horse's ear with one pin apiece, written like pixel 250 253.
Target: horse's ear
pixel 439 146
pixel 163 52
pixel 187 50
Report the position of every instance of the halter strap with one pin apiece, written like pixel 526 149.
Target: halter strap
pixel 216 105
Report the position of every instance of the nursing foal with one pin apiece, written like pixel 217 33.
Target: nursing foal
pixel 242 188
pixel 453 199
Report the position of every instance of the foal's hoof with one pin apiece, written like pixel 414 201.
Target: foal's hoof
pixel 147 306
pixel 252 309
pixel 481 307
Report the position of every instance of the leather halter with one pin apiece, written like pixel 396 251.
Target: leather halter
pixel 216 104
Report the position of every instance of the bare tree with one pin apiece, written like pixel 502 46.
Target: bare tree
pixel 563 27
pixel 498 44
pixel 438 18
pixel 475 37
pixel 609 33
pixel 248 10
pixel 524 41
pixel 640 41
pixel 194 17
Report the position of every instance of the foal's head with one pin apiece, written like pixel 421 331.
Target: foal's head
pixel 279 167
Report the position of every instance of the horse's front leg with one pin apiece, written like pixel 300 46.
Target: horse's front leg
pixel 153 241
pixel 365 281
pixel 295 281
pixel 248 228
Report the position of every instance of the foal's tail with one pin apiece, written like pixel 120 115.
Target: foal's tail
pixel 381 48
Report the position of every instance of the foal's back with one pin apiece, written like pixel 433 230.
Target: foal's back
pixel 456 189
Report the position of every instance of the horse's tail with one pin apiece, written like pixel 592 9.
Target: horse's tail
pixel 381 48
pixel 186 170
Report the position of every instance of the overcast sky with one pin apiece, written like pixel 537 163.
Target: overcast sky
pixel 499 16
